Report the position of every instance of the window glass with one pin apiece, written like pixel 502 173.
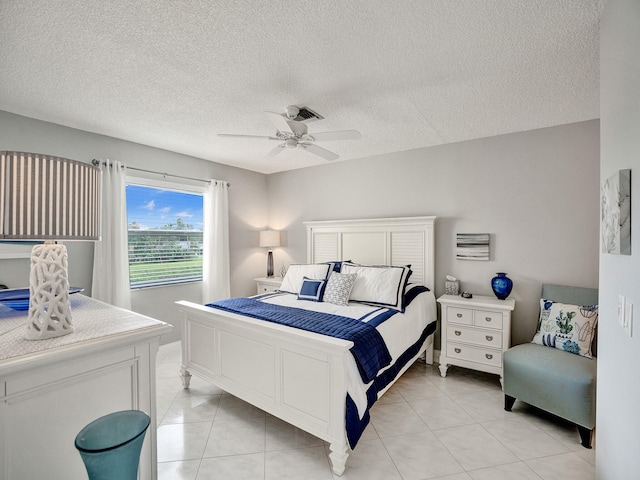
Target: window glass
pixel 165 235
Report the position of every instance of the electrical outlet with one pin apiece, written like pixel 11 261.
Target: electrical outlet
pixel 628 318
pixel 621 302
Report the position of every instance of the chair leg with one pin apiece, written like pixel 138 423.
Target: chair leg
pixel 585 436
pixel 508 402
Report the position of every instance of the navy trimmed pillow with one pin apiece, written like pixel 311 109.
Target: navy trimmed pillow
pixel 337 265
pixel 379 285
pixel 312 290
pixel 296 273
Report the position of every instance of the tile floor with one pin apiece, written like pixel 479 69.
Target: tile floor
pixel 424 427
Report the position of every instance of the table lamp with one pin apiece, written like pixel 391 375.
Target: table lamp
pixel 47 198
pixel 269 239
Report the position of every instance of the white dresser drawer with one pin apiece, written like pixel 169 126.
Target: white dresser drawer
pixel 474 354
pixel 483 318
pixel 460 315
pixel 483 338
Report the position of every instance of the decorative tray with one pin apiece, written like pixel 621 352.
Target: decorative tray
pixel 18 298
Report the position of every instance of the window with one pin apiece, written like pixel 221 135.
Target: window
pixel 165 235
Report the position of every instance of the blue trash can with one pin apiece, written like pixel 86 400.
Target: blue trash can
pixel 110 446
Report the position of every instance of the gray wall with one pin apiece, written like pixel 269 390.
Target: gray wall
pixel 618 416
pixel 535 193
pixel 247 210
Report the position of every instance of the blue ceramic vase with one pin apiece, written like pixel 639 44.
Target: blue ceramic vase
pixel 501 285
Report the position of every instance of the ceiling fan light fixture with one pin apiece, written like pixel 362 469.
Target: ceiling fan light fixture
pixel 291 143
pixel 291 111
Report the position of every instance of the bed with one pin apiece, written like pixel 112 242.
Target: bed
pixel 311 380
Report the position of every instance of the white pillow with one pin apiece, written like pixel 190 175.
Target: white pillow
pixel 294 277
pixel 382 286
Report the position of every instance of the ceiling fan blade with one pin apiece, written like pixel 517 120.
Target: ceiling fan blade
pixel 337 135
pixel 246 136
pixel 275 151
pixel 281 123
pixel 316 150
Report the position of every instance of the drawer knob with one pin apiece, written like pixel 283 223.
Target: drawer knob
pixel 488 319
pixel 488 355
pixel 489 338
pixel 458 332
pixel 459 315
pixel 457 350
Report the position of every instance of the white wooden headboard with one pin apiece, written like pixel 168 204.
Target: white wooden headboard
pixel 377 241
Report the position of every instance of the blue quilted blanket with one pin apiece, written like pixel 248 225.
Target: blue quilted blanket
pixel 368 349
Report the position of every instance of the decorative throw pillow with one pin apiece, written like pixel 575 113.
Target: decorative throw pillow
pixel 312 290
pixel 379 285
pixel 339 288
pixel 567 327
pixel 296 273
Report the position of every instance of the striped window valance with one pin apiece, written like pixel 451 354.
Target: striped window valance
pixel 43 197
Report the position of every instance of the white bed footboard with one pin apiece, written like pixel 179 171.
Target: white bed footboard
pixel 295 375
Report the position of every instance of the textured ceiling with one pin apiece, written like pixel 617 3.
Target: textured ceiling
pixel 407 74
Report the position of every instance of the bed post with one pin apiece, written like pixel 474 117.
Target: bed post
pixel 185 376
pixel 339 454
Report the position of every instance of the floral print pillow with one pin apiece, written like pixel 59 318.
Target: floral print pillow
pixel 567 327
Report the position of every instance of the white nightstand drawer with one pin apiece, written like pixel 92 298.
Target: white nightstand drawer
pixel 460 315
pixel 476 336
pixel 268 284
pixel 474 354
pixel 487 319
pixel 265 288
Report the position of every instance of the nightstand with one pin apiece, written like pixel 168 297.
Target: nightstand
pixel 474 332
pixel 268 284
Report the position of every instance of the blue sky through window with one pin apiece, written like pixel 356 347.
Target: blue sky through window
pixel 152 208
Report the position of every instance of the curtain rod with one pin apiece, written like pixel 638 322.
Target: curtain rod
pixel 96 162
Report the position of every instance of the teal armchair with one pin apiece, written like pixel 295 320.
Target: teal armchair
pixel 558 382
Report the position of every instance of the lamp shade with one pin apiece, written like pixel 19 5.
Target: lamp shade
pixel 269 238
pixel 43 197
pixel 49 198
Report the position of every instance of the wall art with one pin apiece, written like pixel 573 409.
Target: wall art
pixel 472 246
pixel 615 211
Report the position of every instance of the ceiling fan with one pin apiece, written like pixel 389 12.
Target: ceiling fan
pixel 293 134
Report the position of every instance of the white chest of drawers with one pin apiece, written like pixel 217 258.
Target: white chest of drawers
pixel 474 332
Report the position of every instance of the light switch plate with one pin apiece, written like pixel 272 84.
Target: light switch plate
pixel 628 318
pixel 621 302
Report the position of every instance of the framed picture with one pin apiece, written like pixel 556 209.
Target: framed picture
pixel 472 246
pixel 615 211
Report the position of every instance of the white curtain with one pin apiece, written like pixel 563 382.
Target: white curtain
pixel 215 268
pixel 110 257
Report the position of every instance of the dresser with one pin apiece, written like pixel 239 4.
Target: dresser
pixel 474 332
pixel 50 389
pixel 268 284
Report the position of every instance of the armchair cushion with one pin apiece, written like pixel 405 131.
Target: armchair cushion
pixel 552 380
